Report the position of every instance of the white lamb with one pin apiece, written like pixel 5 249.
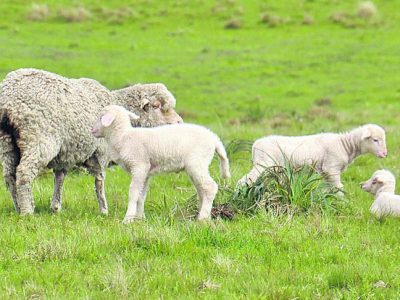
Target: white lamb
pixel 382 184
pixel 331 153
pixel 146 151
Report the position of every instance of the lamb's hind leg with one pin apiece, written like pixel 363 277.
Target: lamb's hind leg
pixel 10 157
pixel 206 190
pixel 56 201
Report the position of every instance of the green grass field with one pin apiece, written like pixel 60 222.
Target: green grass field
pixel 284 77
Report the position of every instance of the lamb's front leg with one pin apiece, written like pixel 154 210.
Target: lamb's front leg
pixel 140 204
pixel 135 189
pixel 334 178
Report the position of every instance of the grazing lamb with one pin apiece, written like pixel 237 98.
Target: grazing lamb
pixel 331 153
pixel 382 185
pixel 45 121
pixel 146 151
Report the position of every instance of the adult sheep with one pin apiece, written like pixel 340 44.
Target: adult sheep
pixel 45 121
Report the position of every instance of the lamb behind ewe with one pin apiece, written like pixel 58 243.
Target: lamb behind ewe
pixel 382 185
pixel 146 151
pixel 331 153
pixel 45 121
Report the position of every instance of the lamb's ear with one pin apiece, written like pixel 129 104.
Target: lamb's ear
pixel 107 119
pixel 366 134
pixel 133 116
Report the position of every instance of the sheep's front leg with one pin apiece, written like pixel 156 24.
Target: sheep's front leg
pixel 135 189
pixel 56 201
pixel 100 193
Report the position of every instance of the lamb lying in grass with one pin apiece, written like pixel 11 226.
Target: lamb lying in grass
pixel 382 184
pixel 146 151
pixel 331 153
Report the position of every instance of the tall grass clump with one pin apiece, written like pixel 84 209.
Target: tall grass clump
pixel 288 189
pixel 38 12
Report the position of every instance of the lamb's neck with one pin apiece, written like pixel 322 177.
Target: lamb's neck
pixel 116 138
pixel 387 188
pixel 351 144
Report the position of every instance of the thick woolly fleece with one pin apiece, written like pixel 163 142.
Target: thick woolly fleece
pixel 45 121
pixel 331 153
pixel 146 151
pixel 382 185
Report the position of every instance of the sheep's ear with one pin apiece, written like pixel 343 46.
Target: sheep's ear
pixel 144 102
pixel 133 116
pixel 107 119
pixel 156 104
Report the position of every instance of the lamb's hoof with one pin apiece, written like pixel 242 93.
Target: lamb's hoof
pixel 203 219
pixel 104 211
pixel 130 219
pixel 26 212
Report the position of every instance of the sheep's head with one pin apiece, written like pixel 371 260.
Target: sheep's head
pixel 112 117
pixel 381 179
pixel 373 140
pixel 152 102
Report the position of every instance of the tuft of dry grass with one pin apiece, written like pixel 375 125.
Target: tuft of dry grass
pixel 118 15
pixel 367 10
pixel 308 19
pixel 74 14
pixel 272 20
pixel 38 12
pixel 233 24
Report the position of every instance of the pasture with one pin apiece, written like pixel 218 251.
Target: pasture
pixel 243 69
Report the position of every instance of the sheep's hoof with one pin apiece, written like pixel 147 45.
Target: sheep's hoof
pixel 56 208
pixel 104 211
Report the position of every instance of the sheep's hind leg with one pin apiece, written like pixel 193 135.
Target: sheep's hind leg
pixel 206 190
pixel 33 160
pixel 10 157
pixel 56 201
pixel 96 165
pixel 9 174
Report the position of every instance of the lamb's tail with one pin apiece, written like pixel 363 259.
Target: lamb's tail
pixel 223 158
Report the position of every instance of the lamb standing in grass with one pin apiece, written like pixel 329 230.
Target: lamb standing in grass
pixel 45 121
pixel 382 184
pixel 331 153
pixel 146 151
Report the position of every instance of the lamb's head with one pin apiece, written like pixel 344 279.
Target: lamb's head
pixel 112 118
pixel 153 102
pixel 373 140
pixel 381 180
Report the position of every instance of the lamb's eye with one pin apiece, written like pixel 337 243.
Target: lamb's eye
pixel 375 140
